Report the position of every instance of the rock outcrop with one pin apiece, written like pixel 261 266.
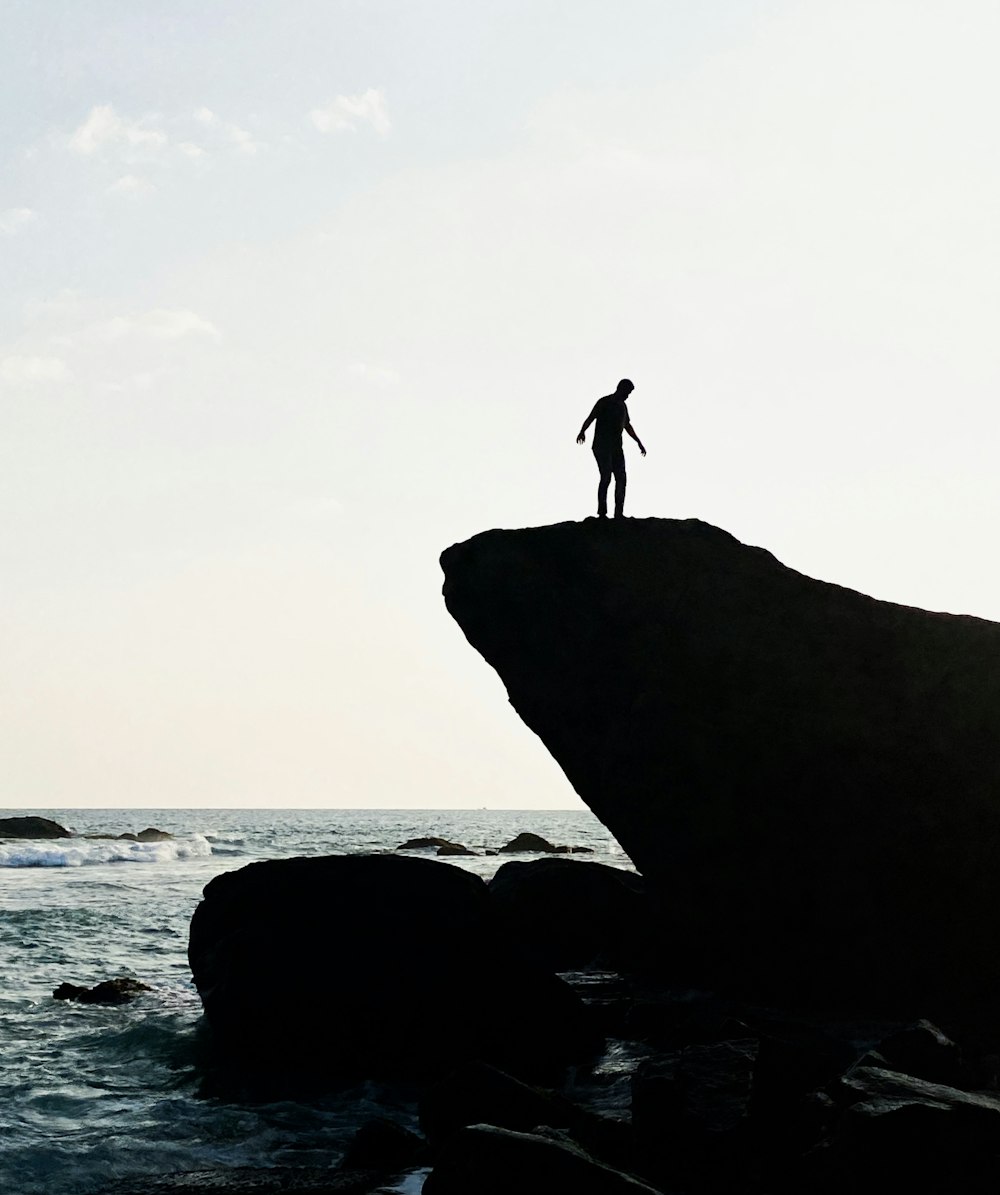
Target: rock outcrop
pixel 110 991
pixel 809 778
pixel 321 969
pixel 32 827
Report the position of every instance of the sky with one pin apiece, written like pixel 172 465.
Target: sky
pixel 294 296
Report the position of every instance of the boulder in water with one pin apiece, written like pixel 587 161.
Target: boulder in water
pixel 32 827
pixel 372 965
pixel 111 991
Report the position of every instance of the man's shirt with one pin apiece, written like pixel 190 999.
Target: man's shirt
pixel 610 416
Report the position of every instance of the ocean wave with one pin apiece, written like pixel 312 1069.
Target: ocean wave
pixel 79 853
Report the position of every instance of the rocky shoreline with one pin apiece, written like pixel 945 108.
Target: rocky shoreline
pixel 604 1080
pixel 799 992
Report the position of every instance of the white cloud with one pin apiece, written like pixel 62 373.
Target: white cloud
pixel 16 218
pixel 131 184
pixel 104 127
pixel 347 112
pixel 16 371
pixel 158 324
pixel 231 133
pixel 190 149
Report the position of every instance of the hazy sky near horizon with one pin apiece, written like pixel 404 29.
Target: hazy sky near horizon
pixel 296 295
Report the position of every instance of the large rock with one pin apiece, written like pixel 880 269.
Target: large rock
pixel 32 827
pixel 372 965
pixel 570 915
pixel 810 778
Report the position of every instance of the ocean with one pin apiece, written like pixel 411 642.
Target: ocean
pixel 90 1094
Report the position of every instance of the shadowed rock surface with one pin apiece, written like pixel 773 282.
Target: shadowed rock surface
pixel 372 965
pixel 810 778
pixel 569 914
pixel 492 1161
pixel 32 827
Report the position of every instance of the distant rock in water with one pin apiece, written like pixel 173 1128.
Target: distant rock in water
pixel 316 969
pixel 442 845
pixel 150 834
pixel 111 991
pixel 527 843
pixel 808 777
pixel 32 827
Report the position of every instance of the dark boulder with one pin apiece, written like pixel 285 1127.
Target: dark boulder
pixel 900 1132
pixel 569 915
pixel 922 1050
pixel 111 991
pixel 383 1145
pixel 150 834
pixel 809 777
pixel 492 1161
pixel 527 843
pixel 453 848
pixel 422 844
pixel 32 827
pixel 321 969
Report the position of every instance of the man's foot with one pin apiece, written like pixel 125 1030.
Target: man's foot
pixel 619 514
pixel 602 514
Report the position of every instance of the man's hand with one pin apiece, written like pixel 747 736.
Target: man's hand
pixel 580 438
pixel 642 450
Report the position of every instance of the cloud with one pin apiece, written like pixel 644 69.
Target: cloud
pixel 14 219
pixel 232 133
pixel 131 184
pixel 348 112
pixel 158 324
pixel 104 127
pixel 16 371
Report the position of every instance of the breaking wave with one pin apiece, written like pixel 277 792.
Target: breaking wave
pixel 77 853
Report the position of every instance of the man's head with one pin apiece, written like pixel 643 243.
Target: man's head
pixel 624 387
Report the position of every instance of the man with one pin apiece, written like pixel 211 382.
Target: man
pixel 610 419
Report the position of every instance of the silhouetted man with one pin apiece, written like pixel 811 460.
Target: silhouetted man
pixel 610 419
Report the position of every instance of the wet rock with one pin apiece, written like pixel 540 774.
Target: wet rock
pixel 898 1130
pixel 569 915
pixel 32 827
pixel 690 1111
pixel 481 1094
pixel 384 1145
pixel 534 843
pixel 421 844
pixel 454 848
pixel 110 991
pixel 150 834
pixel 807 776
pixel 923 1050
pixel 317 969
pixel 494 1161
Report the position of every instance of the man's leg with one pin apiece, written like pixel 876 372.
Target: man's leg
pixel 618 467
pixel 604 465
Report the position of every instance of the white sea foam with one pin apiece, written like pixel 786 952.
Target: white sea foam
pixel 83 853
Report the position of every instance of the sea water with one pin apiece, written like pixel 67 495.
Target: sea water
pixel 90 1093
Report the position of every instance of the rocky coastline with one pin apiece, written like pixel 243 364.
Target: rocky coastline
pixel 796 992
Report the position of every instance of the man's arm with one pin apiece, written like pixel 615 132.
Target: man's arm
pixel 631 431
pixel 590 419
